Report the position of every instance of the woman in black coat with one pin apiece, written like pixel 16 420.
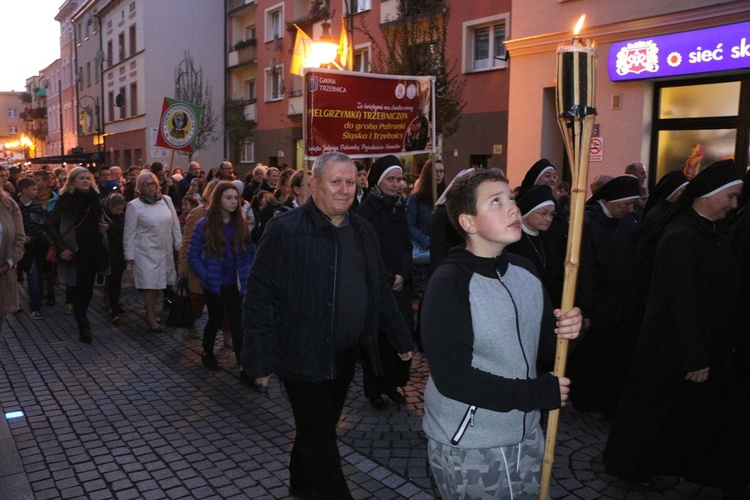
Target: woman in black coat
pixel 77 230
pixel 385 209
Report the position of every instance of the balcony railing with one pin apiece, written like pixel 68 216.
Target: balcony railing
pixel 250 112
pixel 296 103
pixel 247 54
pixel 236 4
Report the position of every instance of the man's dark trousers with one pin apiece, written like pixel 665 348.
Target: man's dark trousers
pixel 315 465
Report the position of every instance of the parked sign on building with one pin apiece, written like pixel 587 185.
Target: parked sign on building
pixel 366 115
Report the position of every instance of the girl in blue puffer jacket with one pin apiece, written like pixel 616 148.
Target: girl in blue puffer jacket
pixel 220 255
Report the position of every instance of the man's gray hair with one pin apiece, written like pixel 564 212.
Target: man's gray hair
pixel 634 168
pixel 320 162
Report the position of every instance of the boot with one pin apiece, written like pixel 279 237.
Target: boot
pixel 84 331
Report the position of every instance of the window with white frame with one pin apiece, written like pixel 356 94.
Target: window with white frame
pixel 275 22
pixel 12 113
pixel 248 152
pixel 248 90
pixel 360 5
pixel 13 129
pixel 275 84
pixel 361 61
pixel 484 43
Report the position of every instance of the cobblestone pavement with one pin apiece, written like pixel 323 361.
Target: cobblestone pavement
pixel 134 415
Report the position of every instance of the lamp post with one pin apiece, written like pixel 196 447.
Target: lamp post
pixel 349 27
pixel 97 118
pixel 62 129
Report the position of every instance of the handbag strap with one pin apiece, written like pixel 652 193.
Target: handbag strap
pixel 88 209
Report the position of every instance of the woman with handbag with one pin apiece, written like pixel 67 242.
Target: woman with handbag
pixel 12 239
pixel 152 234
pixel 220 255
pixel 77 232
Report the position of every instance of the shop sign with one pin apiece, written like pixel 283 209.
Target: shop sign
pixel 721 48
pixel 366 115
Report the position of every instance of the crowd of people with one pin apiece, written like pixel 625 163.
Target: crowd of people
pixel 659 292
pixel 83 225
pixel 661 285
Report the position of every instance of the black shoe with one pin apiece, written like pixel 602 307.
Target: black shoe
pixel 300 493
pixel 741 491
pixel 378 403
pixel 652 483
pixel 245 379
pixel 397 397
pixel 209 361
pixel 84 334
pixel 304 490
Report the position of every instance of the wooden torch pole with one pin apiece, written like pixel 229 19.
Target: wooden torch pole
pixel 576 125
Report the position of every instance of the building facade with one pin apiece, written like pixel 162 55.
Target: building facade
pixel 665 122
pixel 260 41
pixel 143 43
pixel 88 60
pixel 63 83
pixel 12 110
pixel 50 85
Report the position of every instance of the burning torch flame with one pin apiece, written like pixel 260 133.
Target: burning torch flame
pixel 579 25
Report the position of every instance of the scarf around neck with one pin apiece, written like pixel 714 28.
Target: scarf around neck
pixel 393 202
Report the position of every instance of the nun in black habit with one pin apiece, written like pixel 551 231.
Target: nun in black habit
pixel 537 207
pixel 544 173
pixel 661 199
pixel 606 295
pixel 678 412
pixel 385 209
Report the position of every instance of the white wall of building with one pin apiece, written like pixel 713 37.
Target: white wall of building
pixel 172 27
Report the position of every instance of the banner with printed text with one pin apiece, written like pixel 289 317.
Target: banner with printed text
pixel 365 115
pixel 178 125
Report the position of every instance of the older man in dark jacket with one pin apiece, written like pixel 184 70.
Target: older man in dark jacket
pixel 316 292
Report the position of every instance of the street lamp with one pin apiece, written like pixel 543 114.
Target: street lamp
pixel 325 49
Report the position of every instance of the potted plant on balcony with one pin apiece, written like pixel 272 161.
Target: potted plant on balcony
pixel 244 43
